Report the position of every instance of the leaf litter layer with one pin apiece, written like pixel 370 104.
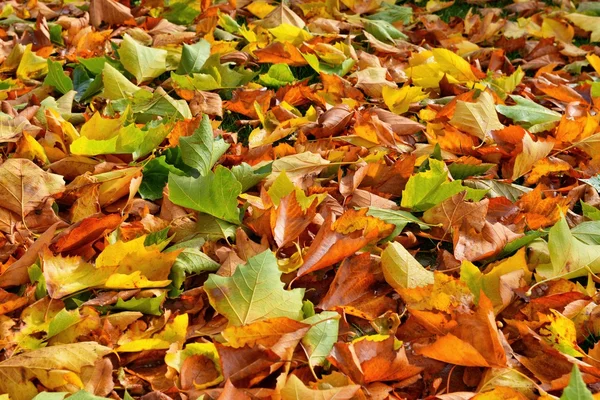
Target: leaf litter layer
pixel 347 199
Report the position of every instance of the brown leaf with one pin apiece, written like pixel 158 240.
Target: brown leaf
pixel 197 370
pixel 358 288
pixel 289 220
pixel 342 238
pixel 109 11
pixel 369 360
pixel 16 274
pixel 85 232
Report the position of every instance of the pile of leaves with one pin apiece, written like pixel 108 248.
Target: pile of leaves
pixel 312 199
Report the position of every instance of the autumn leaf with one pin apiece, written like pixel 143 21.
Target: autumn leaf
pixel 254 292
pixel 54 367
pixel 25 185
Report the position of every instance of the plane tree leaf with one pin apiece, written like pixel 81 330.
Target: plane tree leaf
pixel 201 150
pixel 215 193
pixel 142 62
pixel 254 292
pixel 54 367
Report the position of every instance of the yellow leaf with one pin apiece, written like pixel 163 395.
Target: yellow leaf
pixel 133 259
pixel 31 66
pixel 479 119
pixel 290 33
pixel 532 153
pixel 174 332
pixel 260 8
pixel 561 334
pixel 493 281
pixel 594 61
pixel 559 30
pixel 54 367
pixel 399 100
pixel 445 293
pixel 587 23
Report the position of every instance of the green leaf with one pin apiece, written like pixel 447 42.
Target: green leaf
pixel 401 270
pixel 392 13
pixel 590 212
pixel 155 177
pixel 190 261
pixel 576 389
pixel 63 320
pixel 212 228
pixel 463 171
pixel 254 292
pixel 81 81
pixel 116 85
pixel 159 103
pixel 146 305
pixel 215 194
pixel 36 276
pixel 588 232
pixel 201 150
pixel 182 12
pixel 142 62
pixel 529 114
pixel 429 188
pixel 383 30
pixel 278 75
pixel 396 217
pixel 55 31
pixel 31 66
pixel 193 57
pixel 498 189
pixel 320 338
pixel 94 65
pixel 568 255
pixel 249 176
pixel 57 78
pixel 594 182
pixel 340 70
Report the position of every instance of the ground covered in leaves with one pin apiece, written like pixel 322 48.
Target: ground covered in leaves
pixel 314 199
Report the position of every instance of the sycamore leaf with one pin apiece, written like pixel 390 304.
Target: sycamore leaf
pixel 561 334
pixel 398 218
pixel 215 193
pixel 116 85
pixel 25 185
pixel 278 75
pixel 429 188
pixel 202 150
pixel 142 62
pixel 531 154
pixel 294 389
pixel 399 100
pixel 576 389
pixel 193 356
pixel 402 270
pixel 282 14
pixel 298 166
pixel 320 338
pixel 587 23
pixel 568 255
pixel 31 66
pixel 57 78
pixel 478 119
pixel 254 292
pixel 193 57
pixel 54 367
pixel 529 114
